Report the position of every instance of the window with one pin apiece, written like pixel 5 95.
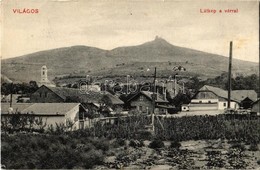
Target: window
pixel 200 101
pixel 224 104
pixel 45 94
pixel 43 73
pixel 40 94
pixel 209 101
pixel 141 98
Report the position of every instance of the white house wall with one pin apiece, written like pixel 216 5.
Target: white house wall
pixel 222 105
pixel 73 115
pixel 52 120
pixel 204 100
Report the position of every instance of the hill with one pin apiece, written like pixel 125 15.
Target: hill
pixel 132 60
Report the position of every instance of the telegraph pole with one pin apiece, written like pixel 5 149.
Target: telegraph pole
pixel 259 47
pixel 11 95
pixel 229 73
pixel 153 97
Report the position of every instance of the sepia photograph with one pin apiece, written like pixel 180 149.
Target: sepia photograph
pixel 130 84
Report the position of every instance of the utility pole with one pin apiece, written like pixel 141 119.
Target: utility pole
pixel 229 73
pixel 153 97
pixel 11 95
pixel 259 47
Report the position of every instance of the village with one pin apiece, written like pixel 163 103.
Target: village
pixel 92 102
pixel 153 85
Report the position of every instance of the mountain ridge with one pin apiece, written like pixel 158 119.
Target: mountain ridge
pixel 82 59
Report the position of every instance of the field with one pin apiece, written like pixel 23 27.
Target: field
pixel 182 143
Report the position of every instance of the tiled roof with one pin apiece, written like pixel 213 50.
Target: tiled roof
pixel 240 95
pixel 236 95
pixel 16 107
pixel 257 101
pixel 50 108
pixel 218 91
pixel 95 97
pixel 64 92
pixel 114 99
pixel 88 97
pixel 148 94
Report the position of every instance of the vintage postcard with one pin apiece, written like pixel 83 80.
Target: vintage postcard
pixel 130 84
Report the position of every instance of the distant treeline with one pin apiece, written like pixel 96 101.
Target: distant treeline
pixel 239 82
pixel 19 88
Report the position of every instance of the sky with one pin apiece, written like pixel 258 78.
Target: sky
pixel 108 24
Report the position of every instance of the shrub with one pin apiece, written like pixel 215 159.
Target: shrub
pixel 100 143
pixel 157 143
pixel 136 143
pixel 253 147
pixel 119 142
pixel 175 144
pixel 145 135
pixel 238 145
pixel 91 158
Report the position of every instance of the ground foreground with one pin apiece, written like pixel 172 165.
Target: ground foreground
pixel 43 151
pixel 191 155
pixel 192 142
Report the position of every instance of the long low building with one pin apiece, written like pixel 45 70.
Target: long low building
pixel 213 98
pixel 52 114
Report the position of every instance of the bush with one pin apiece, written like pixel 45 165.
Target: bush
pixel 136 143
pixel 238 146
pixel 253 147
pixel 29 151
pixel 145 135
pixel 157 143
pixel 175 144
pixel 120 142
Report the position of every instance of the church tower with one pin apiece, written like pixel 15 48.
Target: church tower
pixel 44 77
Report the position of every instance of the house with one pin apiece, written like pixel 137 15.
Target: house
pixel 50 113
pixel 46 94
pixel 244 97
pixel 62 95
pixel 211 98
pixel 143 102
pixel 256 106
